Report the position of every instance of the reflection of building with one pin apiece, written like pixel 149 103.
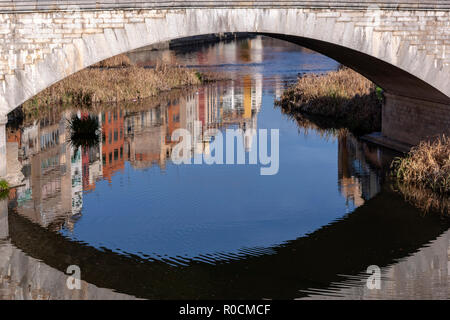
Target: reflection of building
pixel 145 138
pixel 248 50
pixel 91 161
pixel 57 173
pixel 112 142
pixel 48 169
pixel 357 181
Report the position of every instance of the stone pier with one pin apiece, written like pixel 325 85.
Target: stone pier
pixel 4 228
pixel 3 167
pixel 412 120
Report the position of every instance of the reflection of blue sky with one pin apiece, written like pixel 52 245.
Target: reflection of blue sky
pixel 261 55
pixel 191 210
pixel 284 65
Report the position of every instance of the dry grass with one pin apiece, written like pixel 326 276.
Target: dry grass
pixel 118 61
pixel 424 199
pixel 345 96
pixel 426 166
pixel 56 111
pixel 112 83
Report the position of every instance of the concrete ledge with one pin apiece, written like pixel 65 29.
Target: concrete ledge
pixel 379 139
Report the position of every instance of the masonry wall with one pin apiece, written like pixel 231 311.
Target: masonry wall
pixel 27 37
pixel 411 120
pixel 39 48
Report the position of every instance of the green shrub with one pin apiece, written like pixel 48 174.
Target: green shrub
pixel 4 185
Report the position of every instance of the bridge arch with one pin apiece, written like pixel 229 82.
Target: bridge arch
pixel 387 46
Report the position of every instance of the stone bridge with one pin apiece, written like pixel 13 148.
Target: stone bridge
pixel 403 46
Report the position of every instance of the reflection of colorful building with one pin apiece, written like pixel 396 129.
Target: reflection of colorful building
pixel 46 164
pixel 357 181
pixel 112 142
pixel 145 138
pixel 91 161
pixel 173 118
pixel 57 174
pixel 77 177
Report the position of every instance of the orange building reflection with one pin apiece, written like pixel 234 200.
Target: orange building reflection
pixel 112 142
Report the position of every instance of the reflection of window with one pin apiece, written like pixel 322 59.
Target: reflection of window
pixel 121 152
pixel 116 154
pixel 104 159
pixel 110 157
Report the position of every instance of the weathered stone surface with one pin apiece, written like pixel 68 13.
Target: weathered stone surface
pixel 4 230
pixel 412 120
pixel 14 174
pixel 3 167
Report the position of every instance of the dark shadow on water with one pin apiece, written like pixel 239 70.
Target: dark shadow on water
pixel 355 117
pixel 382 231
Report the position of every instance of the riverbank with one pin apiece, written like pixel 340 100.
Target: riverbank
pixel 339 99
pixel 113 80
pixel 423 175
pixel 345 99
pixel 426 166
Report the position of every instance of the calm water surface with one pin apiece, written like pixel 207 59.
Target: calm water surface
pixel 140 226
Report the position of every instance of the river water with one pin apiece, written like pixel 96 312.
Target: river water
pixel 138 225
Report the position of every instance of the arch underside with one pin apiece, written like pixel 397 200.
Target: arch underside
pixel 390 78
